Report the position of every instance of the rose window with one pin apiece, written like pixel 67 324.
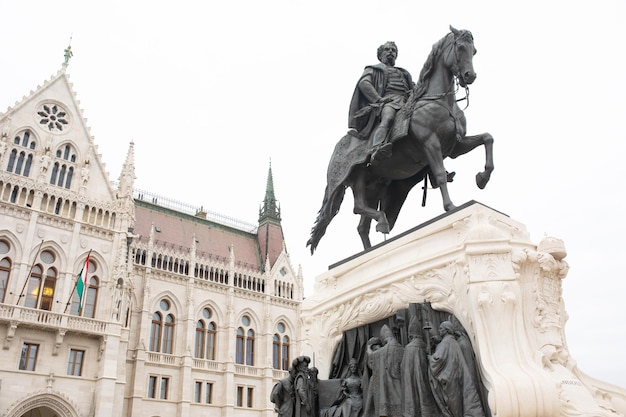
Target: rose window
pixel 53 116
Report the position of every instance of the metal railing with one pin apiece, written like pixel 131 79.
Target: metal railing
pixel 186 208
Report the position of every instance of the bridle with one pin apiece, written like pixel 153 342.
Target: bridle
pixel 456 69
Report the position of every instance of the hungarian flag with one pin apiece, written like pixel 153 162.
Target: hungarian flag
pixel 81 282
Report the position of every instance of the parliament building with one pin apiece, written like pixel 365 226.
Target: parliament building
pixel 120 302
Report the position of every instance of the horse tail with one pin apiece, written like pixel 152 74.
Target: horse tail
pixel 330 208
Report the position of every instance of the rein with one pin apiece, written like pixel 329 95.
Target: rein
pixel 455 73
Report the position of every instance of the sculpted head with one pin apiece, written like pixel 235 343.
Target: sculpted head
pixel 386 333
pixel 301 363
pixel 374 343
pixel 353 366
pixel 445 328
pixel 388 53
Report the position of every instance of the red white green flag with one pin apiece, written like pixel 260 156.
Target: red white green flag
pixel 81 282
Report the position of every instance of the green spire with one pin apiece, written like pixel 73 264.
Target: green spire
pixel 269 211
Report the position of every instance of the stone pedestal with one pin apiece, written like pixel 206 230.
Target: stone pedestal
pixel 481 266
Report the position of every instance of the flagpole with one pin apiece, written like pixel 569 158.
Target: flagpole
pixel 29 273
pixel 69 300
pixel 85 286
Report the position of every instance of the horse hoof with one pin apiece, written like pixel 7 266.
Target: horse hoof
pixel 382 227
pixel 482 179
pixel 448 207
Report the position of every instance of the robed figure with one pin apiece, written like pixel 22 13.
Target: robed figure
pixel 451 379
pixel 282 395
pixel 418 399
pixel 385 388
pixel 302 392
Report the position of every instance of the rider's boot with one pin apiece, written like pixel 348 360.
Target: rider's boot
pixel 381 150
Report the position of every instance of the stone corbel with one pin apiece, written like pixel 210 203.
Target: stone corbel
pixel 58 342
pixel 103 343
pixel 11 328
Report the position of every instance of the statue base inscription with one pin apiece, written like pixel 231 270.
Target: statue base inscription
pixel 479 267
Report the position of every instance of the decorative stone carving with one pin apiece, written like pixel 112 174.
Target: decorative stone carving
pixel 480 266
pixel 53 117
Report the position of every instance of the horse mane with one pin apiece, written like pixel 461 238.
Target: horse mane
pixel 424 78
pixel 423 81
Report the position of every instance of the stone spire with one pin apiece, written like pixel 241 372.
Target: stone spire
pixel 270 231
pixel 125 186
pixel 127 176
pixel 269 211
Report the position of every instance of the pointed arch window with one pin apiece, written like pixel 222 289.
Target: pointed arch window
pixel 90 299
pixel 206 333
pixel 41 286
pixel 280 348
pixel 155 332
pixel 63 170
pixel 250 347
pixel 5 272
pixel 162 329
pixel 21 157
pixel 245 343
pixel 276 351
pixel 6 263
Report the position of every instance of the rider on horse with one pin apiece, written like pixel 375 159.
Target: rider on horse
pixel 381 91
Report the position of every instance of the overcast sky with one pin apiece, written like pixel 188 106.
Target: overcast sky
pixel 211 91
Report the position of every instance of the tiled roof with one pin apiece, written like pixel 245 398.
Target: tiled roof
pixel 177 230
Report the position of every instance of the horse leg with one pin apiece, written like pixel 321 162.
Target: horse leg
pixel 366 203
pixel 364 231
pixel 469 143
pixel 438 175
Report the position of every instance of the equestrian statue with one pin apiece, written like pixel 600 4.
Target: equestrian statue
pixel 399 135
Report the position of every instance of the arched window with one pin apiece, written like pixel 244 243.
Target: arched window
pixel 200 339
pixel 89 309
pixel 162 329
pixel 276 351
pixel 40 291
pixel 168 334
pixel 250 347
pixel 90 297
pixel 5 269
pixel 42 282
pixel 34 287
pixel 280 348
pixel 285 354
pixel 206 332
pixel 244 345
pixel 155 332
pixel 239 345
pixel 63 172
pixel 12 157
pixel 20 160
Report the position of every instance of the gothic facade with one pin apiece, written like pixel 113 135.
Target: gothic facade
pixel 178 312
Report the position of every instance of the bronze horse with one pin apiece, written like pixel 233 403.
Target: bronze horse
pixel 436 130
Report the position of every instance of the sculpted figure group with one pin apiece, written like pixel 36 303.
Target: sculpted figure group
pixel 433 375
pixel 296 395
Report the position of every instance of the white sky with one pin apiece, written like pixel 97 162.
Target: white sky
pixel 210 91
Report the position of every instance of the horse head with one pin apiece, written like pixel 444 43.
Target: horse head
pixel 459 59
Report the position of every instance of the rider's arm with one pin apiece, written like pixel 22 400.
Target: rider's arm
pixel 367 89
